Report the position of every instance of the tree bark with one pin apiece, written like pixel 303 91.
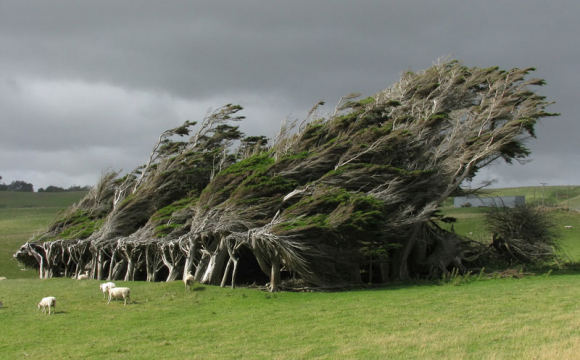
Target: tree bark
pixel 226 273
pixel 117 272
pixel 355 274
pixel 112 265
pixel 201 266
pixel 402 264
pixel 189 246
pixel 152 262
pixel 171 257
pixel 275 276
pixel 384 268
pixel 234 272
pixel 100 264
pixel 215 265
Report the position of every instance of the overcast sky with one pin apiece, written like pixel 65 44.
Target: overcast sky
pixel 88 86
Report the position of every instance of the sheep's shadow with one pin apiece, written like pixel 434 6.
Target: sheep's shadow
pixel 60 312
pixel 132 302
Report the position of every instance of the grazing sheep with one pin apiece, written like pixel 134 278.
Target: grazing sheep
pixel 568 227
pixel 188 280
pixel 49 302
pixel 118 293
pixel 105 288
pixel 2 278
pixel 84 276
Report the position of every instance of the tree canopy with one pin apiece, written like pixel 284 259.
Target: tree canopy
pixel 52 188
pixel 17 185
pixel 340 199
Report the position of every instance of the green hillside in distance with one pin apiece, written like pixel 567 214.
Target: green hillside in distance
pixel 564 196
pixel 18 200
pixel 22 214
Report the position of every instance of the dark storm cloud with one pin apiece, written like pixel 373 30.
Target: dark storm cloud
pixel 298 48
pixel 112 75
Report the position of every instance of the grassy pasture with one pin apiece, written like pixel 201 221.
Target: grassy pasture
pixel 22 214
pixel 18 200
pixel 532 318
pixel 565 196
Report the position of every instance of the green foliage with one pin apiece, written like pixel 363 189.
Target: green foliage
pixel 354 216
pixel 166 229
pixel 313 130
pixel 455 278
pixel 165 213
pixel 77 225
pixel 262 185
pixel 436 118
pixel 18 186
pixel 166 219
pixel 295 156
pixel 255 163
pixel 532 224
pixel 366 101
pixel 523 234
pixel 230 179
pixel 81 230
pixel 514 150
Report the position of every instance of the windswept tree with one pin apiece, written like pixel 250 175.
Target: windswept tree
pixel 342 199
pixel 523 234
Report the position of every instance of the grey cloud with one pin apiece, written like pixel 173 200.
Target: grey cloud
pixel 75 129
pixel 302 49
pixel 77 75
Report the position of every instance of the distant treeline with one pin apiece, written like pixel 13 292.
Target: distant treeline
pixel 52 188
pixel 17 185
pixel 20 185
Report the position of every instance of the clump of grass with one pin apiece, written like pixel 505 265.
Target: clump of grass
pixel 456 279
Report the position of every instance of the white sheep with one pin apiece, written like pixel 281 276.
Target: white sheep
pixel 105 288
pixel 49 302
pixel 2 278
pixel 120 293
pixel 568 227
pixel 188 280
pixel 84 276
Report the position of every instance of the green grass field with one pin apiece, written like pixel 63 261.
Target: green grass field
pixel 22 214
pixel 564 196
pixel 533 318
pixel 19 200
pixel 537 317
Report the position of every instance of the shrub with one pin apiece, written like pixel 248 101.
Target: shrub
pixel 523 234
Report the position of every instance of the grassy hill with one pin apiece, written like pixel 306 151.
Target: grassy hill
pixel 531 318
pixel 20 200
pixel 558 196
pixel 21 215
